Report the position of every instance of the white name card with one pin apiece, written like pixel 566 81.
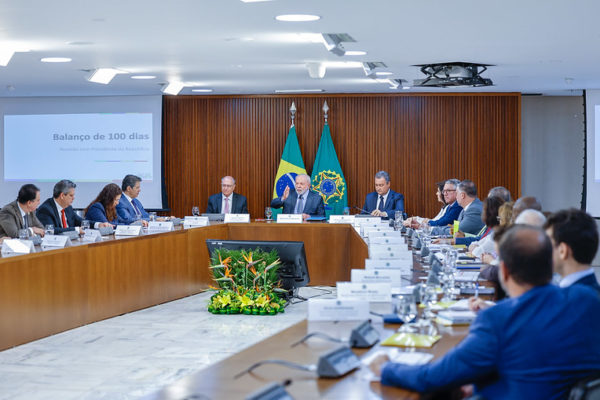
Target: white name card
pixel 367 220
pixel 342 219
pixel 375 292
pixel 91 235
pixel 128 230
pixel 391 276
pixel 16 247
pixel 337 310
pixel 384 254
pixel 385 233
pixel 405 266
pixel 289 218
pixel 55 242
pixel 387 240
pixel 160 226
pixel 240 218
pixel 194 222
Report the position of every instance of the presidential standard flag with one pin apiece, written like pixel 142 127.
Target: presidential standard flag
pixel 291 164
pixel 328 178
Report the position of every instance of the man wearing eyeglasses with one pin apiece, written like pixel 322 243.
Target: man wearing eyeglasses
pixel 451 210
pixel 227 202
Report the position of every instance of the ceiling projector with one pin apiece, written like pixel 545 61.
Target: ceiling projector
pixel 453 74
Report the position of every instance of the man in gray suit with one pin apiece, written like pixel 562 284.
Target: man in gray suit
pixel 20 214
pixel 470 217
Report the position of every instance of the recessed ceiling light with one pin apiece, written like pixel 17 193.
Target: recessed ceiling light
pixel 405 87
pixel 297 90
pixel 143 77
pixel 297 18
pixel 383 73
pixel 173 88
pixel 202 90
pixel 5 56
pixel 355 53
pixel 80 43
pixel 55 59
pixel 104 75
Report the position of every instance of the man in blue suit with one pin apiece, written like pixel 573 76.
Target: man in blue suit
pixel 383 202
pixel 130 209
pixel 534 345
pixel 58 210
pixel 574 237
pixel 227 201
pixel 300 201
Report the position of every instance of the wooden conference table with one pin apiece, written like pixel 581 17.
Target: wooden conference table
pixel 52 291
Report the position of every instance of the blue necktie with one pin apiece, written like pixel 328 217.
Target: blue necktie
pixel 135 207
pixel 25 222
pixel 381 204
pixel 300 205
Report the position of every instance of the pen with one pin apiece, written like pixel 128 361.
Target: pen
pixel 476 289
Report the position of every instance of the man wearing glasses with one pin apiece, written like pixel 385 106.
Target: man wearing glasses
pixel 227 202
pixel 451 210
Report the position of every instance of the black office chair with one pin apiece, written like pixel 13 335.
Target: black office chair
pixel 586 389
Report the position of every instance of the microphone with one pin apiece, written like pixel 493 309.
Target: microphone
pixel 361 210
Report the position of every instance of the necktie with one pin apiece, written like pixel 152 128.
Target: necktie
pixel 226 210
pixel 300 205
pixel 25 222
pixel 135 208
pixel 381 204
pixel 63 218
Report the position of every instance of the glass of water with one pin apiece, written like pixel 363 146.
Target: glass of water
pixel 49 229
pixel 406 309
pixel 346 210
pixel 268 213
pixel 23 234
pixel 195 211
pixel 85 224
pixel 152 216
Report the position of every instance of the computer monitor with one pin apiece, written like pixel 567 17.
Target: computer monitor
pixel 293 270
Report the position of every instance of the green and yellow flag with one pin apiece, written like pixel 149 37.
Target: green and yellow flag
pixel 327 177
pixel 291 164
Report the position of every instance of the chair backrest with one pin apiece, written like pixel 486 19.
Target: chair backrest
pixel 586 389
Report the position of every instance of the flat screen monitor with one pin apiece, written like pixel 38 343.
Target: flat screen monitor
pixel 293 271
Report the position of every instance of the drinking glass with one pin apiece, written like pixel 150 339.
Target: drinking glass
pixel 24 234
pixel 268 213
pixel 49 229
pixel 85 224
pixel 195 211
pixel 152 216
pixel 406 309
pixel 346 210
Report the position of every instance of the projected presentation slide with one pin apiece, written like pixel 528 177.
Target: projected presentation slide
pixel 94 147
pixel 597 145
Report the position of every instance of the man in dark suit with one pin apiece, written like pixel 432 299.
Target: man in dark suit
pixel 383 202
pixel 58 211
pixel 300 201
pixel 470 217
pixel 535 344
pixel 227 202
pixel 20 214
pixel 574 237
pixel 130 209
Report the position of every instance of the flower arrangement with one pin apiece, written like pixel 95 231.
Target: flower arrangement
pixel 247 282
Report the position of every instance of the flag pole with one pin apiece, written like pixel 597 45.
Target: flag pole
pixel 325 110
pixel 293 112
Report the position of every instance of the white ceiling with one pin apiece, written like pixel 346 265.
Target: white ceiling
pixel 239 48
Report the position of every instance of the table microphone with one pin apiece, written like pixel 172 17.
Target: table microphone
pixel 363 336
pixel 361 210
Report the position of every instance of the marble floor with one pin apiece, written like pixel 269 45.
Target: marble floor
pixel 135 354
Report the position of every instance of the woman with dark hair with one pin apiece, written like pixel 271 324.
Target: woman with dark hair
pixel 491 217
pixel 415 222
pixel 103 208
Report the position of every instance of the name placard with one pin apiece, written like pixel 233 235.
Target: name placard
pixel 337 310
pixel 289 218
pixel 342 219
pixel 405 266
pixel 385 233
pixel 375 292
pixel 91 235
pixel 16 247
pixel 194 222
pixel 239 218
pixel 384 254
pixel 391 276
pixel 359 220
pixel 128 230
pixel 162 226
pixel 387 240
pixel 55 242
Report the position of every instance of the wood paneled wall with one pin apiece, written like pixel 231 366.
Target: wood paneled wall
pixel 419 139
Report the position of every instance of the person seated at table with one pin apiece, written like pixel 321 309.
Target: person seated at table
pixel 525 203
pixel 104 207
pixel 300 201
pixel 58 210
pixel 535 344
pixel 20 214
pixel 500 191
pixel 383 202
pixel 130 209
pixel 227 201
pixel 450 212
pixel 489 217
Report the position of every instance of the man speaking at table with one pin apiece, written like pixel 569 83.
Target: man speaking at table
pixel 130 209
pixel 20 214
pixel 300 201
pixel 227 202
pixel 58 211
pixel 383 202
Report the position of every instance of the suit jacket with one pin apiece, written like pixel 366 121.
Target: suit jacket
pixel 589 280
pixel 468 240
pixel 47 213
pixel 394 202
pixel 313 204
pixel 97 213
pixel 451 214
pixel 126 213
pixel 239 204
pixel 533 346
pixel 11 220
pixel 470 220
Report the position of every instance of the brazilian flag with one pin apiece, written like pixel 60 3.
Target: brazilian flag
pixel 291 164
pixel 327 177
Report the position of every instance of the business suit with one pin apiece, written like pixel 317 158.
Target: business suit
pixel 533 346
pixel 590 281
pixel 468 240
pixel 239 204
pixel 126 213
pixel 469 221
pixel 47 213
pixel 393 203
pixel 97 213
pixel 313 204
pixel 451 214
pixel 11 220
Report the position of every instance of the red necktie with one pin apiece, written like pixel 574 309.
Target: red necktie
pixel 226 211
pixel 64 220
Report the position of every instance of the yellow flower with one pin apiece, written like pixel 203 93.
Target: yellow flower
pixel 224 300
pixel 246 301
pixel 262 301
